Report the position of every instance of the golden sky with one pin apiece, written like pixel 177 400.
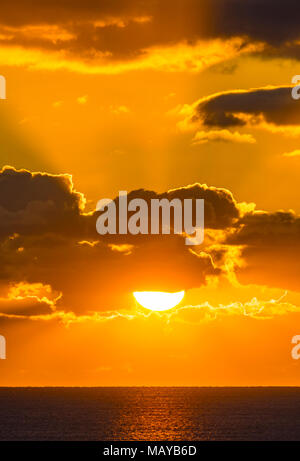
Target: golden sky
pixel 181 98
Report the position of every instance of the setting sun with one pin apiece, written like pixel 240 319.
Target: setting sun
pixel 158 300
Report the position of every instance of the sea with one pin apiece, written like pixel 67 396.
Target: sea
pixel 150 414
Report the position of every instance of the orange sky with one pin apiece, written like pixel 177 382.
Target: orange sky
pixel 129 95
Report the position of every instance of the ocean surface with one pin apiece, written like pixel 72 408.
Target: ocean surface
pixel 151 414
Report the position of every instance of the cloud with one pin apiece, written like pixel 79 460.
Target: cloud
pixel 270 108
pixel 55 265
pixel 201 313
pixel 274 105
pixel 82 99
pixel 179 57
pixel 111 37
pixel 255 308
pixel 294 153
pixel 270 245
pixel 57 104
pixel 267 229
pixel 47 238
pixel 28 300
pixel 220 207
pixel 119 110
pixel 202 137
pixel 24 308
pixel 35 203
pixel 127 249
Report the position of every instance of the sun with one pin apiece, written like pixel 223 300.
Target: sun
pixel 158 300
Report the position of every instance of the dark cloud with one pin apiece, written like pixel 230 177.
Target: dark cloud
pixel 35 203
pixel 93 277
pixel 113 28
pixel 47 238
pixel 271 248
pixel 270 21
pixel 94 273
pixel 59 11
pixel 41 203
pixel 281 228
pixel 274 105
pixel 27 307
pixel 220 207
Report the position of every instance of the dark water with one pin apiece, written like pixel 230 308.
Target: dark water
pixel 150 414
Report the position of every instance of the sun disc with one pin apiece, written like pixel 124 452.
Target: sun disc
pixel 158 300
